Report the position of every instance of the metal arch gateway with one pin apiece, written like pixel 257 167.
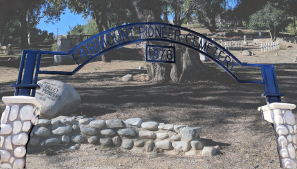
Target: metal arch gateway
pixel 123 35
pixel 141 32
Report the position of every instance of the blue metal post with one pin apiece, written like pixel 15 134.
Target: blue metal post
pixel 28 73
pixel 36 74
pixel 271 88
pixel 20 72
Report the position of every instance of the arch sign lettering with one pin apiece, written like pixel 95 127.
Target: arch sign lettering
pixel 146 32
pixel 154 33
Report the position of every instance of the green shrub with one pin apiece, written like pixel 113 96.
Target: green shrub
pixel 244 23
pixel 291 29
pixel 54 47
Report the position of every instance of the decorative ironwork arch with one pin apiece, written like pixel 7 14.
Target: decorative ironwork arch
pixel 141 32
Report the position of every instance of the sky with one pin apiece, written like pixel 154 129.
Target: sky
pixel 69 19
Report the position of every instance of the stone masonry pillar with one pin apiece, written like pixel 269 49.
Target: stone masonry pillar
pixel 16 123
pixel 280 114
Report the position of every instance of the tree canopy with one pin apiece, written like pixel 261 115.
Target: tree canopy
pixel 24 15
pixel 106 14
pixel 207 11
pixel 270 18
pixel 182 10
pixel 20 17
pixel 89 29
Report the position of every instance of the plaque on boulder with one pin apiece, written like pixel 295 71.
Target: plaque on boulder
pixel 57 98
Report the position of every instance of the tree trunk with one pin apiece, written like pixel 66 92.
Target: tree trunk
pixel 274 37
pixel 101 26
pixel 165 14
pixel 294 20
pixel 272 34
pixel 24 29
pixel 4 35
pixel 175 14
pixel 188 66
pixel 212 25
pixel 5 8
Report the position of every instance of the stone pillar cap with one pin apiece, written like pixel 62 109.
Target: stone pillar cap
pixel 277 106
pixel 21 99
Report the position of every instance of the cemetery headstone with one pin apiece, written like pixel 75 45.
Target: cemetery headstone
pixel 63 45
pixel 246 53
pixel 220 28
pixel 57 98
pixel 232 45
pixel 203 57
pixel 29 36
pixel 267 47
pixel 244 40
pixel 3 49
pixel 9 49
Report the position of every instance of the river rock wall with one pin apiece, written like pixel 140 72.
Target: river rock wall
pixel 131 134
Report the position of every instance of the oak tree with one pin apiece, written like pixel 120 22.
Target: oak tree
pixel 188 65
pixel 269 18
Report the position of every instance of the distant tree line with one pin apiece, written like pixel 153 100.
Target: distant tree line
pixel 272 15
pixel 20 17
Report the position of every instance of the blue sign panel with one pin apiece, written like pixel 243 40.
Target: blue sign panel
pixel 156 53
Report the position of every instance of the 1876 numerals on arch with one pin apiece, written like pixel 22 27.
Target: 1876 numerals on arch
pixel 156 53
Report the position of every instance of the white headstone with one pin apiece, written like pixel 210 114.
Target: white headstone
pixel 203 57
pixel 29 36
pixel 220 28
pixel 63 45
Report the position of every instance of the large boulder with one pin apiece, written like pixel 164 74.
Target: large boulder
pixel 57 98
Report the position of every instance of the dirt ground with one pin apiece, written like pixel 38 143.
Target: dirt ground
pixel 225 110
